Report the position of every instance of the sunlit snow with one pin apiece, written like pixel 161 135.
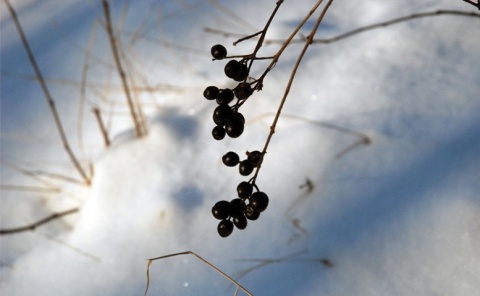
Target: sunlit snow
pixel 373 172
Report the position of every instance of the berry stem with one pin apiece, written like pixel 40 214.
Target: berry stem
pixel 308 42
pixel 276 57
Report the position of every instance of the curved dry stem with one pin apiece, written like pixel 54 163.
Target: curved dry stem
pixel 33 226
pixel 384 24
pixel 201 259
pixel 49 98
pixel 308 42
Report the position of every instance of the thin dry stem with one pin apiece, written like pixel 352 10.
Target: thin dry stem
pixel 276 57
pixel 50 101
pixel 201 259
pixel 477 5
pixel 113 44
pixel 308 42
pixel 396 21
pixel 441 12
pixel 33 226
pixel 37 189
pixel 83 90
pixel 98 116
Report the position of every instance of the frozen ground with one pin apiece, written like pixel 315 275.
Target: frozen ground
pixel 396 217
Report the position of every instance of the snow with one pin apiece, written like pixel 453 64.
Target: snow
pixel 398 216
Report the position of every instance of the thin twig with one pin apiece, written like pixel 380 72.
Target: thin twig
pixel 51 102
pixel 29 188
pixel 33 226
pixel 201 259
pixel 385 24
pixel 121 72
pixel 98 116
pixel 358 30
pixel 83 90
pixel 308 42
pixel 477 5
pixel 285 44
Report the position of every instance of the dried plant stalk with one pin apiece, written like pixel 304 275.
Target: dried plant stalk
pixel 50 101
pixel 201 259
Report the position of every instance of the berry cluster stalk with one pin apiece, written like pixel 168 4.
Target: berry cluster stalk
pixel 308 42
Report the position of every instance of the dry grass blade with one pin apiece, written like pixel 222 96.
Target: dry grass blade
pixel 113 44
pixel 48 96
pixel 98 116
pixel 201 259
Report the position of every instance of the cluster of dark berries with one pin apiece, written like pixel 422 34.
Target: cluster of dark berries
pixel 228 121
pixel 238 211
pixel 249 204
pixel 246 166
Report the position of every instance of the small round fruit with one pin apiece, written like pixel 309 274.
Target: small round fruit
pixel 222 114
pixel 218 132
pixel 246 167
pixel 240 221
pixel 222 210
pixel 255 157
pixel 218 51
pixel 233 69
pixel 237 206
pixel 243 91
pixel 251 213
pixel 225 96
pixel 235 126
pixel 230 159
pixel 211 92
pixel 244 190
pixel 225 228
pixel 243 74
pixel 259 201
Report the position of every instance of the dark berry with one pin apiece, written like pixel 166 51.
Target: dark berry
pixel 218 132
pixel 244 190
pixel 241 117
pixel 225 97
pixel 222 210
pixel 251 213
pixel 259 201
pixel 230 159
pixel 240 221
pixel 222 114
pixel 211 93
pixel 237 206
pixel 243 74
pixel 243 91
pixel 233 69
pixel 255 157
pixel 225 228
pixel 218 52
pixel 235 126
pixel 246 167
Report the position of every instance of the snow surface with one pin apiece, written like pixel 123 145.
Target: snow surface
pixel 399 216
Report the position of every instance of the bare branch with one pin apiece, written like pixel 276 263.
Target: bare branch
pixel 386 24
pixel 308 42
pixel 477 5
pixel 33 226
pixel 361 29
